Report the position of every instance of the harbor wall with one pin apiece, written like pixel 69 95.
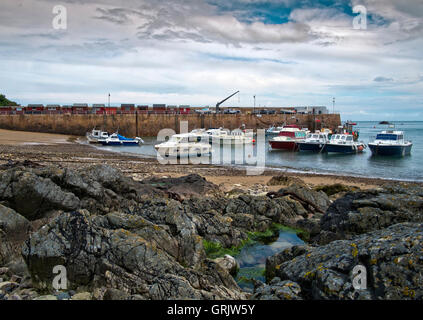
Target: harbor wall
pixel 151 124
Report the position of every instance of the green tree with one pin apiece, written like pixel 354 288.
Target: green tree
pixel 6 102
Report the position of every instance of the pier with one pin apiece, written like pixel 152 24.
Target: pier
pixel 150 124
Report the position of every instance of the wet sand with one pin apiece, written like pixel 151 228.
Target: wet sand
pixel 66 151
pixel 9 137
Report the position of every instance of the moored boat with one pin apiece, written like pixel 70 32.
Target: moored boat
pixel 390 143
pixel 118 140
pixel 314 142
pixel 288 139
pixel 344 143
pixel 273 131
pixel 180 145
pixel 96 135
pixel 224 136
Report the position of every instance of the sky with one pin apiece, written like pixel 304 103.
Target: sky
pixel 287 53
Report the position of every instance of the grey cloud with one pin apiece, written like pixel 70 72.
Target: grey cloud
pixel 383 79
pixel 118 15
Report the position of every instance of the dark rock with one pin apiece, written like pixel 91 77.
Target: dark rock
pixel 282 180
pixel 114 294
pixel 393 258
pixel 274 262
pixel 130 255
pixel 32 195
pixel 361 212
pixel 14 230
pixel 313 201
pixel 278 290
pixel 183 187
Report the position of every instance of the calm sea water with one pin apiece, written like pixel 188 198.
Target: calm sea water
pixel 252 258
pixel 401 168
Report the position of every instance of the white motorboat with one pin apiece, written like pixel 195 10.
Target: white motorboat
pixel 314 142
pixel 390 143
pixel 344 143
pixel 96 135
pixel 224 136
pixel 179 145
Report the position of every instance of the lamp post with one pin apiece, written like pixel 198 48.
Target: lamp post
pixel 254 110
pixel 333 110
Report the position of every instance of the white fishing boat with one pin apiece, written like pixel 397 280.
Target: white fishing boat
pixel 224 136
pixel 314 142
pixel 344 143
pixel 179 145
pixel 390 143
pixel 96 135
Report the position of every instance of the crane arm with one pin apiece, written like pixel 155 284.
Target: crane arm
pixel 219 103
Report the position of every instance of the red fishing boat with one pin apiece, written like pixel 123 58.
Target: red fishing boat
pixel 288 138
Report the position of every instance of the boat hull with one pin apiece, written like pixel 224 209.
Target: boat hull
pixel 311 147
pixel 336 148
pixel 120 143
pixel 390 150
pixel 283 145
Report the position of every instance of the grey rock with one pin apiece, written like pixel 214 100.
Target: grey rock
pixel 228 263
pixel 361 212
pixel 278 290
pixel 32 195
pixel 393 258
pixel 134 260
pixel 82 296
pixel 114 294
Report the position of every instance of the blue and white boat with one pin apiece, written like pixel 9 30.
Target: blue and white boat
pixel 344 143
pixel 314 142
pixel 390 143
pixel 117 140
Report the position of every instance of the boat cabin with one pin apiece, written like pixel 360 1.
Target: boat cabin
pixel 293 133
pixel 391 135
pixel 342 139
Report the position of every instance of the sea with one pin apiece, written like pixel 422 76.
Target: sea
pixel 407 168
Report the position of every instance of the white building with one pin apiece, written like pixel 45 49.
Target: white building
pixel 311 110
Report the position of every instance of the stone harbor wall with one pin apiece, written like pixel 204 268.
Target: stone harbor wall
pixel 151 124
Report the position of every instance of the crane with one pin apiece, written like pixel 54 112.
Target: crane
pixel 219 103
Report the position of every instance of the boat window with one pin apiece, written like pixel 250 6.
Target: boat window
pixel 349 138
pixel 383 136
pixel 343 137
pixel 401 137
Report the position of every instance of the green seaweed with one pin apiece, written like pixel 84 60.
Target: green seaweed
pixel 247 275
pixel 216 250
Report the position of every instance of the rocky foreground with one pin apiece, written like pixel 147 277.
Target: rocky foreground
pixel 124 239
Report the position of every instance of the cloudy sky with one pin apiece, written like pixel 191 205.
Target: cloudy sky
pixel 286 52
